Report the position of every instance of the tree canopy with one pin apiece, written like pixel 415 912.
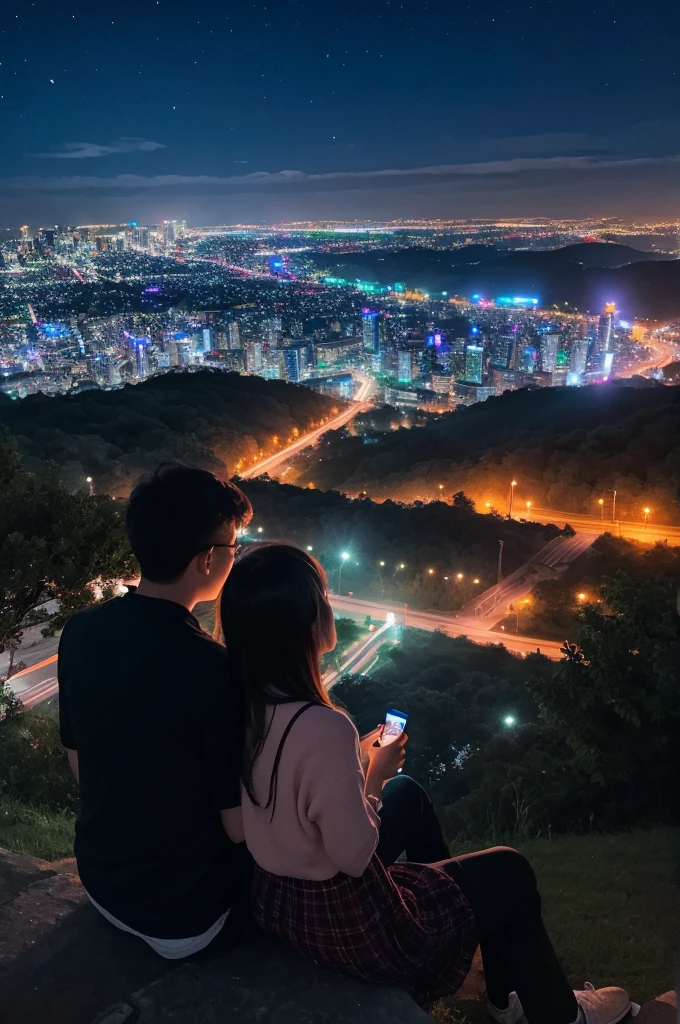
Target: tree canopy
pixel 53 544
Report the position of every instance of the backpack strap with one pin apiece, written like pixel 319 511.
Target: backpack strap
pixel 273 782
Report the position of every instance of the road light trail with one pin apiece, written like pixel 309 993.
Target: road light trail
pixel 651 533
pixel 448 624
pixel 276 461
pixel 490 607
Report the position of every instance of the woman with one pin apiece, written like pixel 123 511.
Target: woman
pixel 311 822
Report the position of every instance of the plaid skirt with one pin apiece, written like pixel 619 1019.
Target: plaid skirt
pixel 409 924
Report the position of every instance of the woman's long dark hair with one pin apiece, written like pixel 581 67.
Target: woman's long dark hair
pixel 274 615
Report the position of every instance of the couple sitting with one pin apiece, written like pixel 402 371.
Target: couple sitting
pixel 219 784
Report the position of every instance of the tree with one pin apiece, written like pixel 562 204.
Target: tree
pixel 615 700
pixel 53 546
pixel 461 501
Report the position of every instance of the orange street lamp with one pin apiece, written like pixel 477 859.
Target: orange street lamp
pixel 646 513
pixel 513 484
pixel 431 572
pixel 581 596
pixel 600 502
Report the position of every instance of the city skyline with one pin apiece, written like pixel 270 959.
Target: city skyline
pixel 158 111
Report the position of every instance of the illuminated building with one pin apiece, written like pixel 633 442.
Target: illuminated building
pixel 405 366
pixel 528 359
pixel 578 357
pixel 141 357
pixel 441 383
pixel 207 339
pixel 292 362
pixel 234 336
pixel 370 330
pixel 604 329
pixel 254 351
pixel 549 345
pixel 473 363
pixel 467 393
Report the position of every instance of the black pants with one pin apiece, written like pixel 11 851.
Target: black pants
pixel 518 956
pixel 409 824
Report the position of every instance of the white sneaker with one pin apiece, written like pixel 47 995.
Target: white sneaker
pixel 603 1005
pixel 514 1014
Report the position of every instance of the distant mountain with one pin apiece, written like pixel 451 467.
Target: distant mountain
pixel 585 275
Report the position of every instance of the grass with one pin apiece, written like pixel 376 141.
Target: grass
pixel 611 904
pixel 46 834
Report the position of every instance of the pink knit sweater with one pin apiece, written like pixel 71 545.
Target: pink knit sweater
pixel 323 823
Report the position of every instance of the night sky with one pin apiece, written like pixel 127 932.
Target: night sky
pixel 225 112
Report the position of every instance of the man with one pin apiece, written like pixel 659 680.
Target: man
pixel 153 728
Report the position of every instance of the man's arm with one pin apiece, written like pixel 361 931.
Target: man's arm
pixel 222 735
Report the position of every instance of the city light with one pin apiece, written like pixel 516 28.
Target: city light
pixel 309 547
pixel 459 576
pixel 581 596
pixel 475 580
pixel 431 572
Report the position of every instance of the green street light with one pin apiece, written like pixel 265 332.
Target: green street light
pixel 343 558
pixel 509 720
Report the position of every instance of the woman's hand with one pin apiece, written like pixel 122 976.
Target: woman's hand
pixel 367 746
pixel 384 764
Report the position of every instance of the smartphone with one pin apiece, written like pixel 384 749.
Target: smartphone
pixel 395 723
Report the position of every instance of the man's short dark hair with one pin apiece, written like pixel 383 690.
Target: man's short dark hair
pixel 178 512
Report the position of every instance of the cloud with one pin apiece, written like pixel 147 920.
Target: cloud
pixel 89 150
pixel 338 180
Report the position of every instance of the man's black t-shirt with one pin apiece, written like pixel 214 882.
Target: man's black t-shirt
pixel 145 699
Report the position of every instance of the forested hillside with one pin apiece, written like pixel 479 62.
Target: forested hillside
pixel 218 421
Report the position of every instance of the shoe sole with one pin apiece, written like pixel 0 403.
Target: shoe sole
pixel 632 1011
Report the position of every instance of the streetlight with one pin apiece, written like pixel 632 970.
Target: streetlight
pixel 430 572
pixel 500 560
pixel 475 580
pixel 513 484
pixel 646 512
pixel 528 504
pixel 487 504
pixel 260 529
pixel 509 720
pixel 600 502
pixel 90 482
pixel 309 547
pixel 459 575
pixel 581 596
pixel 343 558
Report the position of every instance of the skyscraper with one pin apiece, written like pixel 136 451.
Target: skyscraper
pixel 405 366
pixel 578 357
pixel 604 329
pixel 549 346
pixel 141 358
pixel 207 339
pixel 370 330
pixel 254 357
pixel 234 336
pixel 473 363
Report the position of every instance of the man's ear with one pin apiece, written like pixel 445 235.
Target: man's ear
pixel 204 561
